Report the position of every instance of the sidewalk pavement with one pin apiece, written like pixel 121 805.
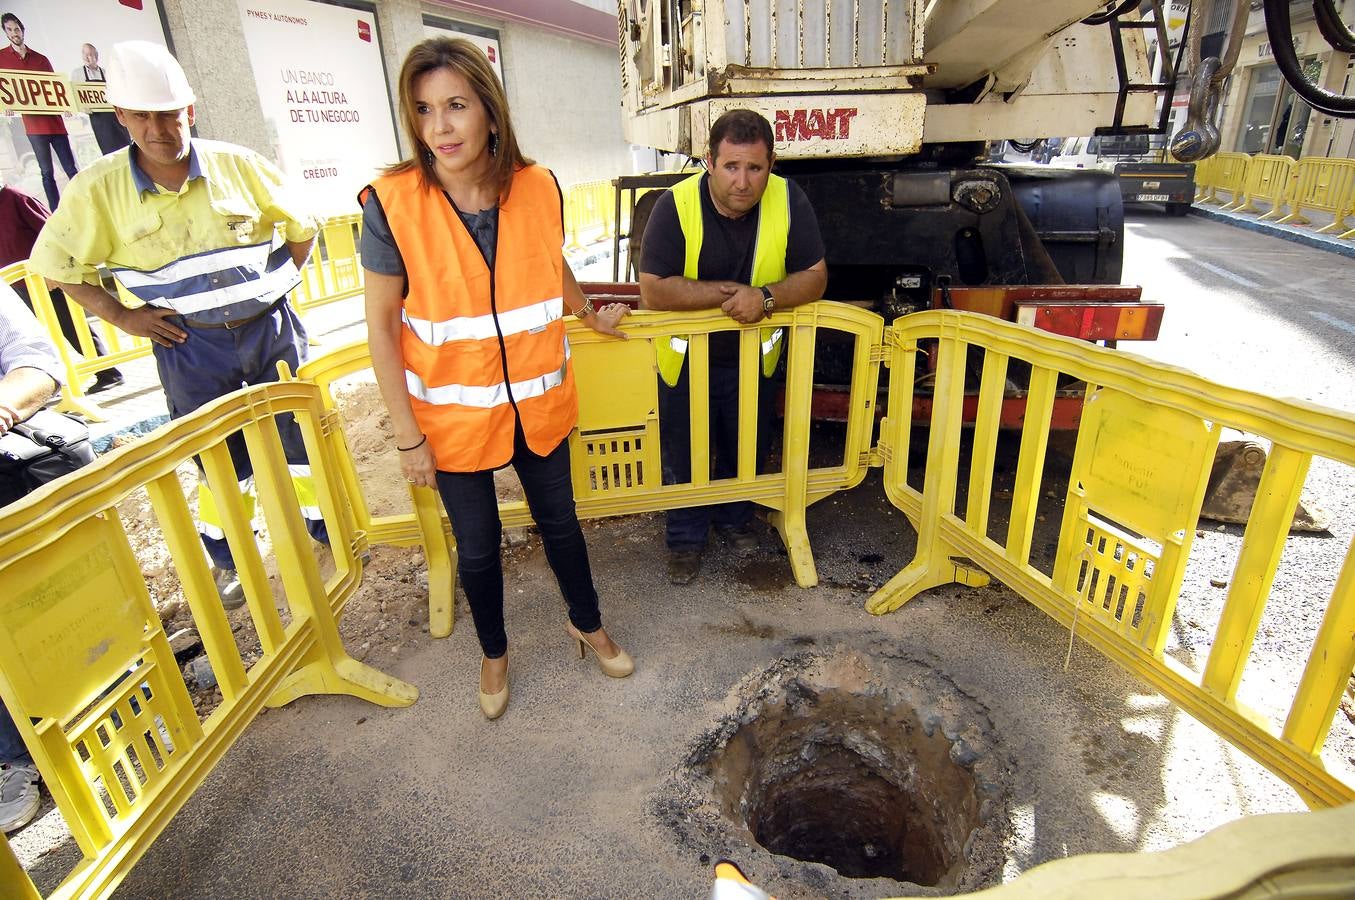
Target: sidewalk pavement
pixel 1299 234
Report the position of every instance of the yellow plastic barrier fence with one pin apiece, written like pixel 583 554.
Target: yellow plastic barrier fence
pixel 1228 173
pixel 617 467
pixel 590 213
pixel 333 271
pixel 80 363
pixel 1144 452
pixel 1268 178
pixel 1205 185
pixel 86 669
pixel 1325 184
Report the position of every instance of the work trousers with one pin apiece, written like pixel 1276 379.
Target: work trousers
pixel 44 145
pixel 687 528
pixel 473 508
pixel 214 362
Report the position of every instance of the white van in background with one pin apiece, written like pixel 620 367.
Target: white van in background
pixel 1133 162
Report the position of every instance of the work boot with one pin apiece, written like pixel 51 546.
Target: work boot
pixel 683 565
pixel 742 540
pixel 18 795
pixel 105 380
pixel 228 587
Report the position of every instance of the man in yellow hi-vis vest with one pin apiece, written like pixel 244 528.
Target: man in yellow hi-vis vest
pixel 739 239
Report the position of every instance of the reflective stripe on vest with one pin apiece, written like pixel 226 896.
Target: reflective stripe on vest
pixel 477 328
pixel 486 397
pixel 481 347
pixel 769 263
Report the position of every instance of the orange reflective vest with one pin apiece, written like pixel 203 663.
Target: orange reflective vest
pixel 483 347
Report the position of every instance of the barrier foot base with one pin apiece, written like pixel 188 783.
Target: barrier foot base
pixel 920 575
pixel 344 676
pixel 81 406
pixel 796 540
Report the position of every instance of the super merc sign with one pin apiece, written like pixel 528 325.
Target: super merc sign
pixel 35 92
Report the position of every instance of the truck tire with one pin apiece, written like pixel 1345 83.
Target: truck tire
pixel 1177 210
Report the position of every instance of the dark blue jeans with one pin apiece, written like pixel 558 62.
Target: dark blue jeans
pixel 43 147
pixel 216 361
pixel 687 528
pixel 473 508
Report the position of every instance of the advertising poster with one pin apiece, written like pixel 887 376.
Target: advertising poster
pixel 70 34
pixel 322 89
pixel 487 39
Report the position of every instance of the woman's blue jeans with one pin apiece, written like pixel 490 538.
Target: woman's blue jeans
pixel 473 507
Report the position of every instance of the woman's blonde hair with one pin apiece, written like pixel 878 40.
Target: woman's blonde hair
pixel 467 60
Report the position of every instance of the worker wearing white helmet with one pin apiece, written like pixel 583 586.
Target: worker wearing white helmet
pixel 188 226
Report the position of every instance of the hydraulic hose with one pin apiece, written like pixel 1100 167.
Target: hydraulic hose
pixel 1281 33
pixel 1341 38
pixel 1106 15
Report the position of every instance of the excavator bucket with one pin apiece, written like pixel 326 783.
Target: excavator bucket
pixel 1233 484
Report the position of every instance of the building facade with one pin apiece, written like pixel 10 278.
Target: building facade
pixel 312 83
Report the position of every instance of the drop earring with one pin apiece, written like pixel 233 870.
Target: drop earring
pixel 493 143
pixel 427 156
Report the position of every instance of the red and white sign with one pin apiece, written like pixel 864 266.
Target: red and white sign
pixel 322 90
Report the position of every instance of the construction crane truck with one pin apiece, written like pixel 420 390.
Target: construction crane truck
pixel 883 111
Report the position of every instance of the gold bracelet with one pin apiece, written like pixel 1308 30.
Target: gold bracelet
pixel 585 310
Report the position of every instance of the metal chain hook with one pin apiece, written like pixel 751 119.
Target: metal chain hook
pixel 1199 137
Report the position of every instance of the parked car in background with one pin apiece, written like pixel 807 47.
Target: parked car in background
pixel 1143 175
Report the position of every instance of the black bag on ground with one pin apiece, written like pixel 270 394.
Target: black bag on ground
pixel 42 448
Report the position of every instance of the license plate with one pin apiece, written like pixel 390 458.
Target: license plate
pixel 1151 198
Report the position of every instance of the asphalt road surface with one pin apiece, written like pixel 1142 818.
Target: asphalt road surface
pixel 586 788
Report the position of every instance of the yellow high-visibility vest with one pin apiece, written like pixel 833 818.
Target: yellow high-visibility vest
pixel 769 264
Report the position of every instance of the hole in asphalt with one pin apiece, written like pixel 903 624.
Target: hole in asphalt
pixel 837 761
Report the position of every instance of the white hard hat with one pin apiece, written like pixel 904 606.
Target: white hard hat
pixel 142 75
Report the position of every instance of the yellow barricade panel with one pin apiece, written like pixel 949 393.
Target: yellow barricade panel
pixel 73 618
pixel 1142 465
pixel 615 450
pixel 86 669
pixel 1146 444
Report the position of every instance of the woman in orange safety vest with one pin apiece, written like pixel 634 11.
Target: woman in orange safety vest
pixel 466 289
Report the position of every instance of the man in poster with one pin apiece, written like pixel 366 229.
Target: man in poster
pixel 46 131
pixel 107 132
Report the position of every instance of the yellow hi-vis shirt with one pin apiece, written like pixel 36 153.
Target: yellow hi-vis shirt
pixel 208 251
pixel 769 263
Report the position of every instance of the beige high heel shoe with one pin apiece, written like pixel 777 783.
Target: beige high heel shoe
pixel 492 705
pixel 618 666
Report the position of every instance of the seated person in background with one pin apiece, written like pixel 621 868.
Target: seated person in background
pixel 30 374
pixel 21 219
